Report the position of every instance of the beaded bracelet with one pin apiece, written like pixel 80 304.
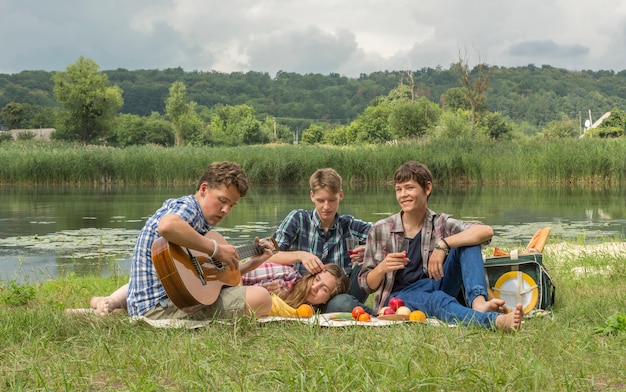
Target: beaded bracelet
pixel 441 248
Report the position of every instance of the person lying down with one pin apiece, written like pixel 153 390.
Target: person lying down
pixel 283 280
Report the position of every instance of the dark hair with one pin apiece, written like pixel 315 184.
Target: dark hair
pixel 413 171
pixel 227 174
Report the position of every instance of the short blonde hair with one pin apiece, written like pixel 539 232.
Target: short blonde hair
pixel 326 179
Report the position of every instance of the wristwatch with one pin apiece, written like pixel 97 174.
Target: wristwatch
pixel 445 250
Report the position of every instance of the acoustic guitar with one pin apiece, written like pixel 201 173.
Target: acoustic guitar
pixel 191 278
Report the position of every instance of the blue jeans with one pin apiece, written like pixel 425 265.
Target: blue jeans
pixel 463 268
pixel 347 302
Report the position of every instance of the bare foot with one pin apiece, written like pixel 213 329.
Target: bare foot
pixel 511 321
pixel 493 305
pixel 101 305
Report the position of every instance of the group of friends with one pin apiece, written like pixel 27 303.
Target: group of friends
pixel 440 273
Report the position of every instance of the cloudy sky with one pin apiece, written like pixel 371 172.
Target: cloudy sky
pixel 348 37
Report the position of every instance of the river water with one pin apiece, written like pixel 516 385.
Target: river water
pixel 46 232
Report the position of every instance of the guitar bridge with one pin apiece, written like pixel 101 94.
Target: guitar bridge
pixel 197 267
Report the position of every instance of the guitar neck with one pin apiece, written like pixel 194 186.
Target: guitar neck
pixel 250 250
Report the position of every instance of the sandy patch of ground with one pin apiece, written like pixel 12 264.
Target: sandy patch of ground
pixel 567 252
pixel 560 254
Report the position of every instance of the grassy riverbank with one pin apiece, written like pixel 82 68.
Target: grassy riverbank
pixel 44 349
pixel 565 161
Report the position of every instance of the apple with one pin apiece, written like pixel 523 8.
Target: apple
pixel 395 303
pixel 382 310
pixel 388 310
pixel 403 311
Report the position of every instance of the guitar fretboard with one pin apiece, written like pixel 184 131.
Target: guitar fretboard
pixel 250 250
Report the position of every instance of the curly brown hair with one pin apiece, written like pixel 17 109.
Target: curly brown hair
pixel 227 174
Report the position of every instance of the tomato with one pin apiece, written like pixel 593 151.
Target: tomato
pixel 357 311
pixel 364 317
pixel 395 303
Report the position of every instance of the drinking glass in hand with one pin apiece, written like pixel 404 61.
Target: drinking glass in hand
pixel 403 245
pixel 351 244
pixel 397 245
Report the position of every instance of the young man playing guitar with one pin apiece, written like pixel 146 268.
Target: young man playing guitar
pixel 185 222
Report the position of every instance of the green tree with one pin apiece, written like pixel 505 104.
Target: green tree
pixel 89 101
pixel 278 131
pixel 15 115
pixel 337 135
pixel 454 125
pixel 41 117
pixel 413 118
pixel 137 130
pixel 313 134
pixel 455 98
pixel 236 125
pixel 495 125
pixel 372 126
pixel 186 122
pixel 614 125
pixel 565 128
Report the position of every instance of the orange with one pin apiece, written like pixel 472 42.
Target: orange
pixel 305 311
pixel 364 317
pixel 357 311
pixel 417 315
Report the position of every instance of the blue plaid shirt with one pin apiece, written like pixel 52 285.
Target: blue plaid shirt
pixel 301 230
pixel 145 289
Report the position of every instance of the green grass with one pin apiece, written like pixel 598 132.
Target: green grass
pixel 43 349
pixel 565 161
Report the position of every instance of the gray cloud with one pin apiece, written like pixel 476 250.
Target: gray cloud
pixel 309 36
pixel 547 48
pixel 302 51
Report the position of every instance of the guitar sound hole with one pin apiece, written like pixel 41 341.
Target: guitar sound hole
pixel 218 265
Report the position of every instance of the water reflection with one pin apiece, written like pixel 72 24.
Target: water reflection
pixel 51 231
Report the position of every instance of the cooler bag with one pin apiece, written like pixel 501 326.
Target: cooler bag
pixel 520 279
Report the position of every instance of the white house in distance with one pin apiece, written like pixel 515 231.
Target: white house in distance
pixel 40 133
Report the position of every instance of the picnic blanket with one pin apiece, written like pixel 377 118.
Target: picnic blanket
pixel 323 320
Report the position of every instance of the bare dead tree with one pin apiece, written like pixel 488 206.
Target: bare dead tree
pixel 411 84
pixel 475 84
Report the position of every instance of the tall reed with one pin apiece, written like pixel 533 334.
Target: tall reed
pixel 565 161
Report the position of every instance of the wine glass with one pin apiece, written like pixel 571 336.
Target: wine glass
pixel 351 244
pixel 403 245
pixel 397 244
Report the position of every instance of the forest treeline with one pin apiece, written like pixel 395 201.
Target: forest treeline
pixel 333 109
